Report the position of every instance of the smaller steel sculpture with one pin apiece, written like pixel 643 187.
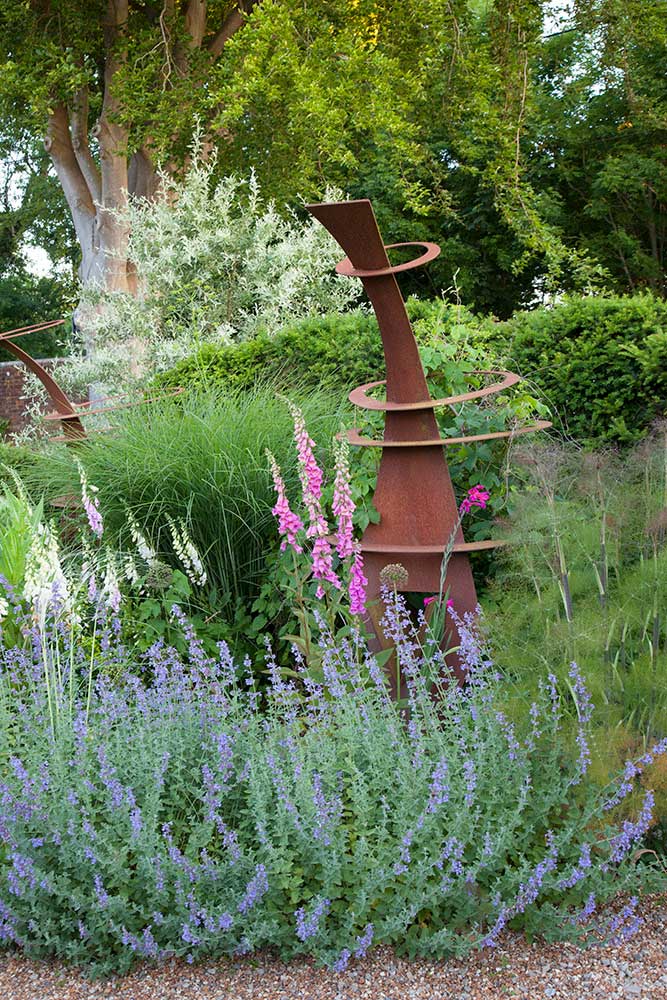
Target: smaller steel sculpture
pixel 414 494
pixel 66 411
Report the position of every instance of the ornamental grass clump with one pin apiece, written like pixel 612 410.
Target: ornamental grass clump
pixel 193 815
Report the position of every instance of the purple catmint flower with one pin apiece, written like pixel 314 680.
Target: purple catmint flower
pixel 631 833
pixel 618 930
pixel 470 776
pixel 341 963
pixel 632 770
pixel 327 811
pixel 307 924
pixel 439 787
pixel 587 912
pixel 582 700
pixel 580 870
pixel 364 941
pixel 401 866
pixel 100 892
pixel 257 887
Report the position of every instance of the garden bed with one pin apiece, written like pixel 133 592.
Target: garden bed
pixel 516 970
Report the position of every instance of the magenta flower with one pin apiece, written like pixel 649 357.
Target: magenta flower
pixel 323 565
pixel 343 504
pixel 289 523
pixel 310 474
pixel 430 600
pixel 358 584
pixel 477 496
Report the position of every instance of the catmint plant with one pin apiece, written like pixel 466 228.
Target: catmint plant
pixel 191 815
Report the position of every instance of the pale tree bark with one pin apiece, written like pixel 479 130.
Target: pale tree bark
pixel 113 140
pixel 82 208
pixel 97 193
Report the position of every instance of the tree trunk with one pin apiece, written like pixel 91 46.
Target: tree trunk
pixel 112 138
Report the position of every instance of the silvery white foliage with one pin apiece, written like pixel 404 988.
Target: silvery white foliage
pixel 214 263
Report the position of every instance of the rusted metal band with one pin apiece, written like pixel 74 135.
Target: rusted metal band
pixel 347 268
pixel 354 438
pixel 85 409
pixel 438 549
pixel 24 331
pixel 359 398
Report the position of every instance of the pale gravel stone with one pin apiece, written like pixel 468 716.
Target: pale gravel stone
pixel 633 971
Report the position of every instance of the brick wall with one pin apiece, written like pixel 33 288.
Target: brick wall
pixel 12 406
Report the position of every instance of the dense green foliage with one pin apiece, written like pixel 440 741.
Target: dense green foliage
pixel 601 363
pixel 24 300
pixel 338 350
pixel 528 142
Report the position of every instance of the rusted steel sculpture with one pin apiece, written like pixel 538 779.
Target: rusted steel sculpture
pixel 68 413
pixel 414 494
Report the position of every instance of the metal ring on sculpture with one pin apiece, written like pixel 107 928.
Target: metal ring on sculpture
pixel 359 398
pixel 347 268
pixel 424 550
pixel 355 438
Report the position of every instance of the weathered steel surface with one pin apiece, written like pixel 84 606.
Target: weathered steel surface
pixel 66 411
pixel 414 494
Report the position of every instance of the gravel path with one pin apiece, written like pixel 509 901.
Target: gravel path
pixel 515 970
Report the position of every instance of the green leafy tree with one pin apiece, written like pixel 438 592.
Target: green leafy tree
pixel 601 135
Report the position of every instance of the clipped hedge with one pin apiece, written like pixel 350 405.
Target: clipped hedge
pixel 600 362
pixel 336 350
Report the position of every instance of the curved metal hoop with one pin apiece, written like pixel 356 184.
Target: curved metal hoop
pixel 354 438
pixel 86 409
pixel 65 408
pixel 359 398
pixel 346 267
pixel 424 550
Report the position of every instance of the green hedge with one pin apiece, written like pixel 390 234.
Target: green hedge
pixel 601 363
pixel 336 350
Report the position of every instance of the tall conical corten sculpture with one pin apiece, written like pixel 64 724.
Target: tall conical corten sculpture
pixel 414 495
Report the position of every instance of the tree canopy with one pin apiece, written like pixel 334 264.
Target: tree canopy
pixel 534 160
